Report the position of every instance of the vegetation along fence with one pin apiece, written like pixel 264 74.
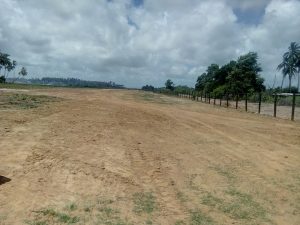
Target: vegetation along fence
pixel 283 105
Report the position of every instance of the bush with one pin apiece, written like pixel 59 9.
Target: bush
pixel 2 79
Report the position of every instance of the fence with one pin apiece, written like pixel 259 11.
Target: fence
pixel 283 105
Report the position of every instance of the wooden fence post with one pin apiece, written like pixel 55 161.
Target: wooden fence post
pixel 237 102
pixel 246 103
pixel 214 99
pixel 275 105
pixel 293 107
pixel 227 100
pixel 259 102
pixel 221 101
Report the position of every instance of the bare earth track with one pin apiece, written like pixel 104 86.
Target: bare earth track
pixel 130 157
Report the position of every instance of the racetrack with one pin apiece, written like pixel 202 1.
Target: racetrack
pixel 151 158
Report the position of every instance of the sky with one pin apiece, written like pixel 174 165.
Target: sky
pixel 138 42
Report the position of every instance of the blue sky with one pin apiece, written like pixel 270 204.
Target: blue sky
pixel 252 16
pixel 137 42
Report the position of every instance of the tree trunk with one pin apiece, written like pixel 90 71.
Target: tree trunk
pixel 282 83
pixel 298 82
pixel 290 84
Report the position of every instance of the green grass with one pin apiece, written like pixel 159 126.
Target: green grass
pixel 36 222
pixel 99 211
pixel 199 218
pixel 23 86
pixel 180 222
pixel 155 98
pixel 71 207
pixel 59 216
pixel 24 101
pixel 237 205
pixel 225 172
pixel 243 206
pixel 211 200
pixel 144 203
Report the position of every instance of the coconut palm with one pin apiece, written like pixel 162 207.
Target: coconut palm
pixel 298 66
pixel 289 65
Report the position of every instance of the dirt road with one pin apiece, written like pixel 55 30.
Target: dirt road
pixel 129 157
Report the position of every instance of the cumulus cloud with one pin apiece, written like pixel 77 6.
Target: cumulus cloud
pixel 139 42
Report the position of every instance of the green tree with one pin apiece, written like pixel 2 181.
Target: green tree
pixel 23 72
pixel 148 88
pixel 245 77
pixel 236 77
pixel 290 64
pixel 6 64
pixel 169 85
pixel 206 81
pixel 201 81
pixel 2 79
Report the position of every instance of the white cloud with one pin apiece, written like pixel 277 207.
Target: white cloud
pixel 166 38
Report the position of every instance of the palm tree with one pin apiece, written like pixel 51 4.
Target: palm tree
pixel 289 65
pixel 298 66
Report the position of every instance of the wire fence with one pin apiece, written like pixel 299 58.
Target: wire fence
pixel 281 105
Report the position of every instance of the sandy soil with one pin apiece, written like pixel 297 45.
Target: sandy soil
pixel 200 164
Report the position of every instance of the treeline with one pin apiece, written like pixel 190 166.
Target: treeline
pixel 236 77
pixel 241 76
pixel 169 88
pixel 70 82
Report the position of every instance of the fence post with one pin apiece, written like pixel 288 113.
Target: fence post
pixel 201 95
pixel 259 102
pixel 293 107
pixel 237 102
pixel 214 99
pixel 227 100
pixel 275 105
pixel 246 103
pixel 208 98
pixel 221 100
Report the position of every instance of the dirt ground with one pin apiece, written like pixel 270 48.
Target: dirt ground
pixel 122 157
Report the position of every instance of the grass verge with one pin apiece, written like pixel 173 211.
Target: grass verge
pixel 24 101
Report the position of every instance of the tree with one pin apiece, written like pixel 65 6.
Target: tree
pixel 23 72
pixel 4 61
pixel 207 81
pixel 236 77
pixel 2 79
pixel 169 85
pixel 148 88
pixel 6 64
pixel 290 64
pixel 201 81
pixel 244 77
